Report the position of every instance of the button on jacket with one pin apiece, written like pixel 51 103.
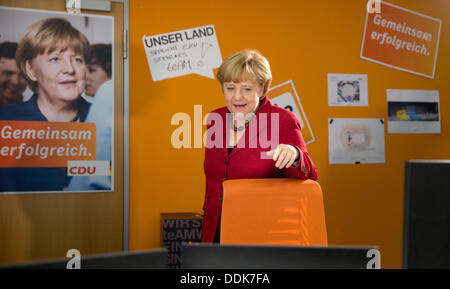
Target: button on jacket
pixel 245 161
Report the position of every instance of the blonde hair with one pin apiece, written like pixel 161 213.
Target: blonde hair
pixel 46 36
pixel 246 65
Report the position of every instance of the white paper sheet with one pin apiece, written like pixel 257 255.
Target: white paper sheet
pixel 179 53
pixel 347 90
pixel 285 95
pixel 356 140
pixel 413 111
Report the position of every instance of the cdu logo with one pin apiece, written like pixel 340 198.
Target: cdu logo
pixel 89 168
pixel 374 6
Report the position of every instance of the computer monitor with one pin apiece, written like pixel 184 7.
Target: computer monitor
pixel 216 256
pixel 148 259
pixel 426 225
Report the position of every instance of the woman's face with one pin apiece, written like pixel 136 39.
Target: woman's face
pixel 60 75
pixel 95 77
pixel 242 97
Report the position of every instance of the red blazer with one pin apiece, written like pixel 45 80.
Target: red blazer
pixel 245 161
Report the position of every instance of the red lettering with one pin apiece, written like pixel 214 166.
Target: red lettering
pixel 91 172
pixel 71 170
pixel 83 170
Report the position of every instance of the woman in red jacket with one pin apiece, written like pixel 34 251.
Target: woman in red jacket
pixel 237 136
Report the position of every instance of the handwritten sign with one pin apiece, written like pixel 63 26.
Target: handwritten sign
pixel 402 39
pixel 179 53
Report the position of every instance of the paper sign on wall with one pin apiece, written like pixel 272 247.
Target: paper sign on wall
pixel 174 54
pixel 402 39
pixel 285 95
pixel 413 111
pixel 356 140
pixel 347 90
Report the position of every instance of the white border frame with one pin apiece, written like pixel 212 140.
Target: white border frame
pixel 301 107
pixel 112 78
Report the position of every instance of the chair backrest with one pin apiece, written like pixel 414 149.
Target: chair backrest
pixel 273 211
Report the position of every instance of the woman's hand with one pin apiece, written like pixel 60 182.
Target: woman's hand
pixel 284 155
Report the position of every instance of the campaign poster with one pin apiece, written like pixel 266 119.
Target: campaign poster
pixel 402 39
pixel 56 101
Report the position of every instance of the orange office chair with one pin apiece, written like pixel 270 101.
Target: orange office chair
pixel 273 211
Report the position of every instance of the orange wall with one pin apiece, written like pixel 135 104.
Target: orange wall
pixel 303 40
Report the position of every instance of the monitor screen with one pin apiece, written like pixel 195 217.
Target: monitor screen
pixel 233 256
pixel 426 226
